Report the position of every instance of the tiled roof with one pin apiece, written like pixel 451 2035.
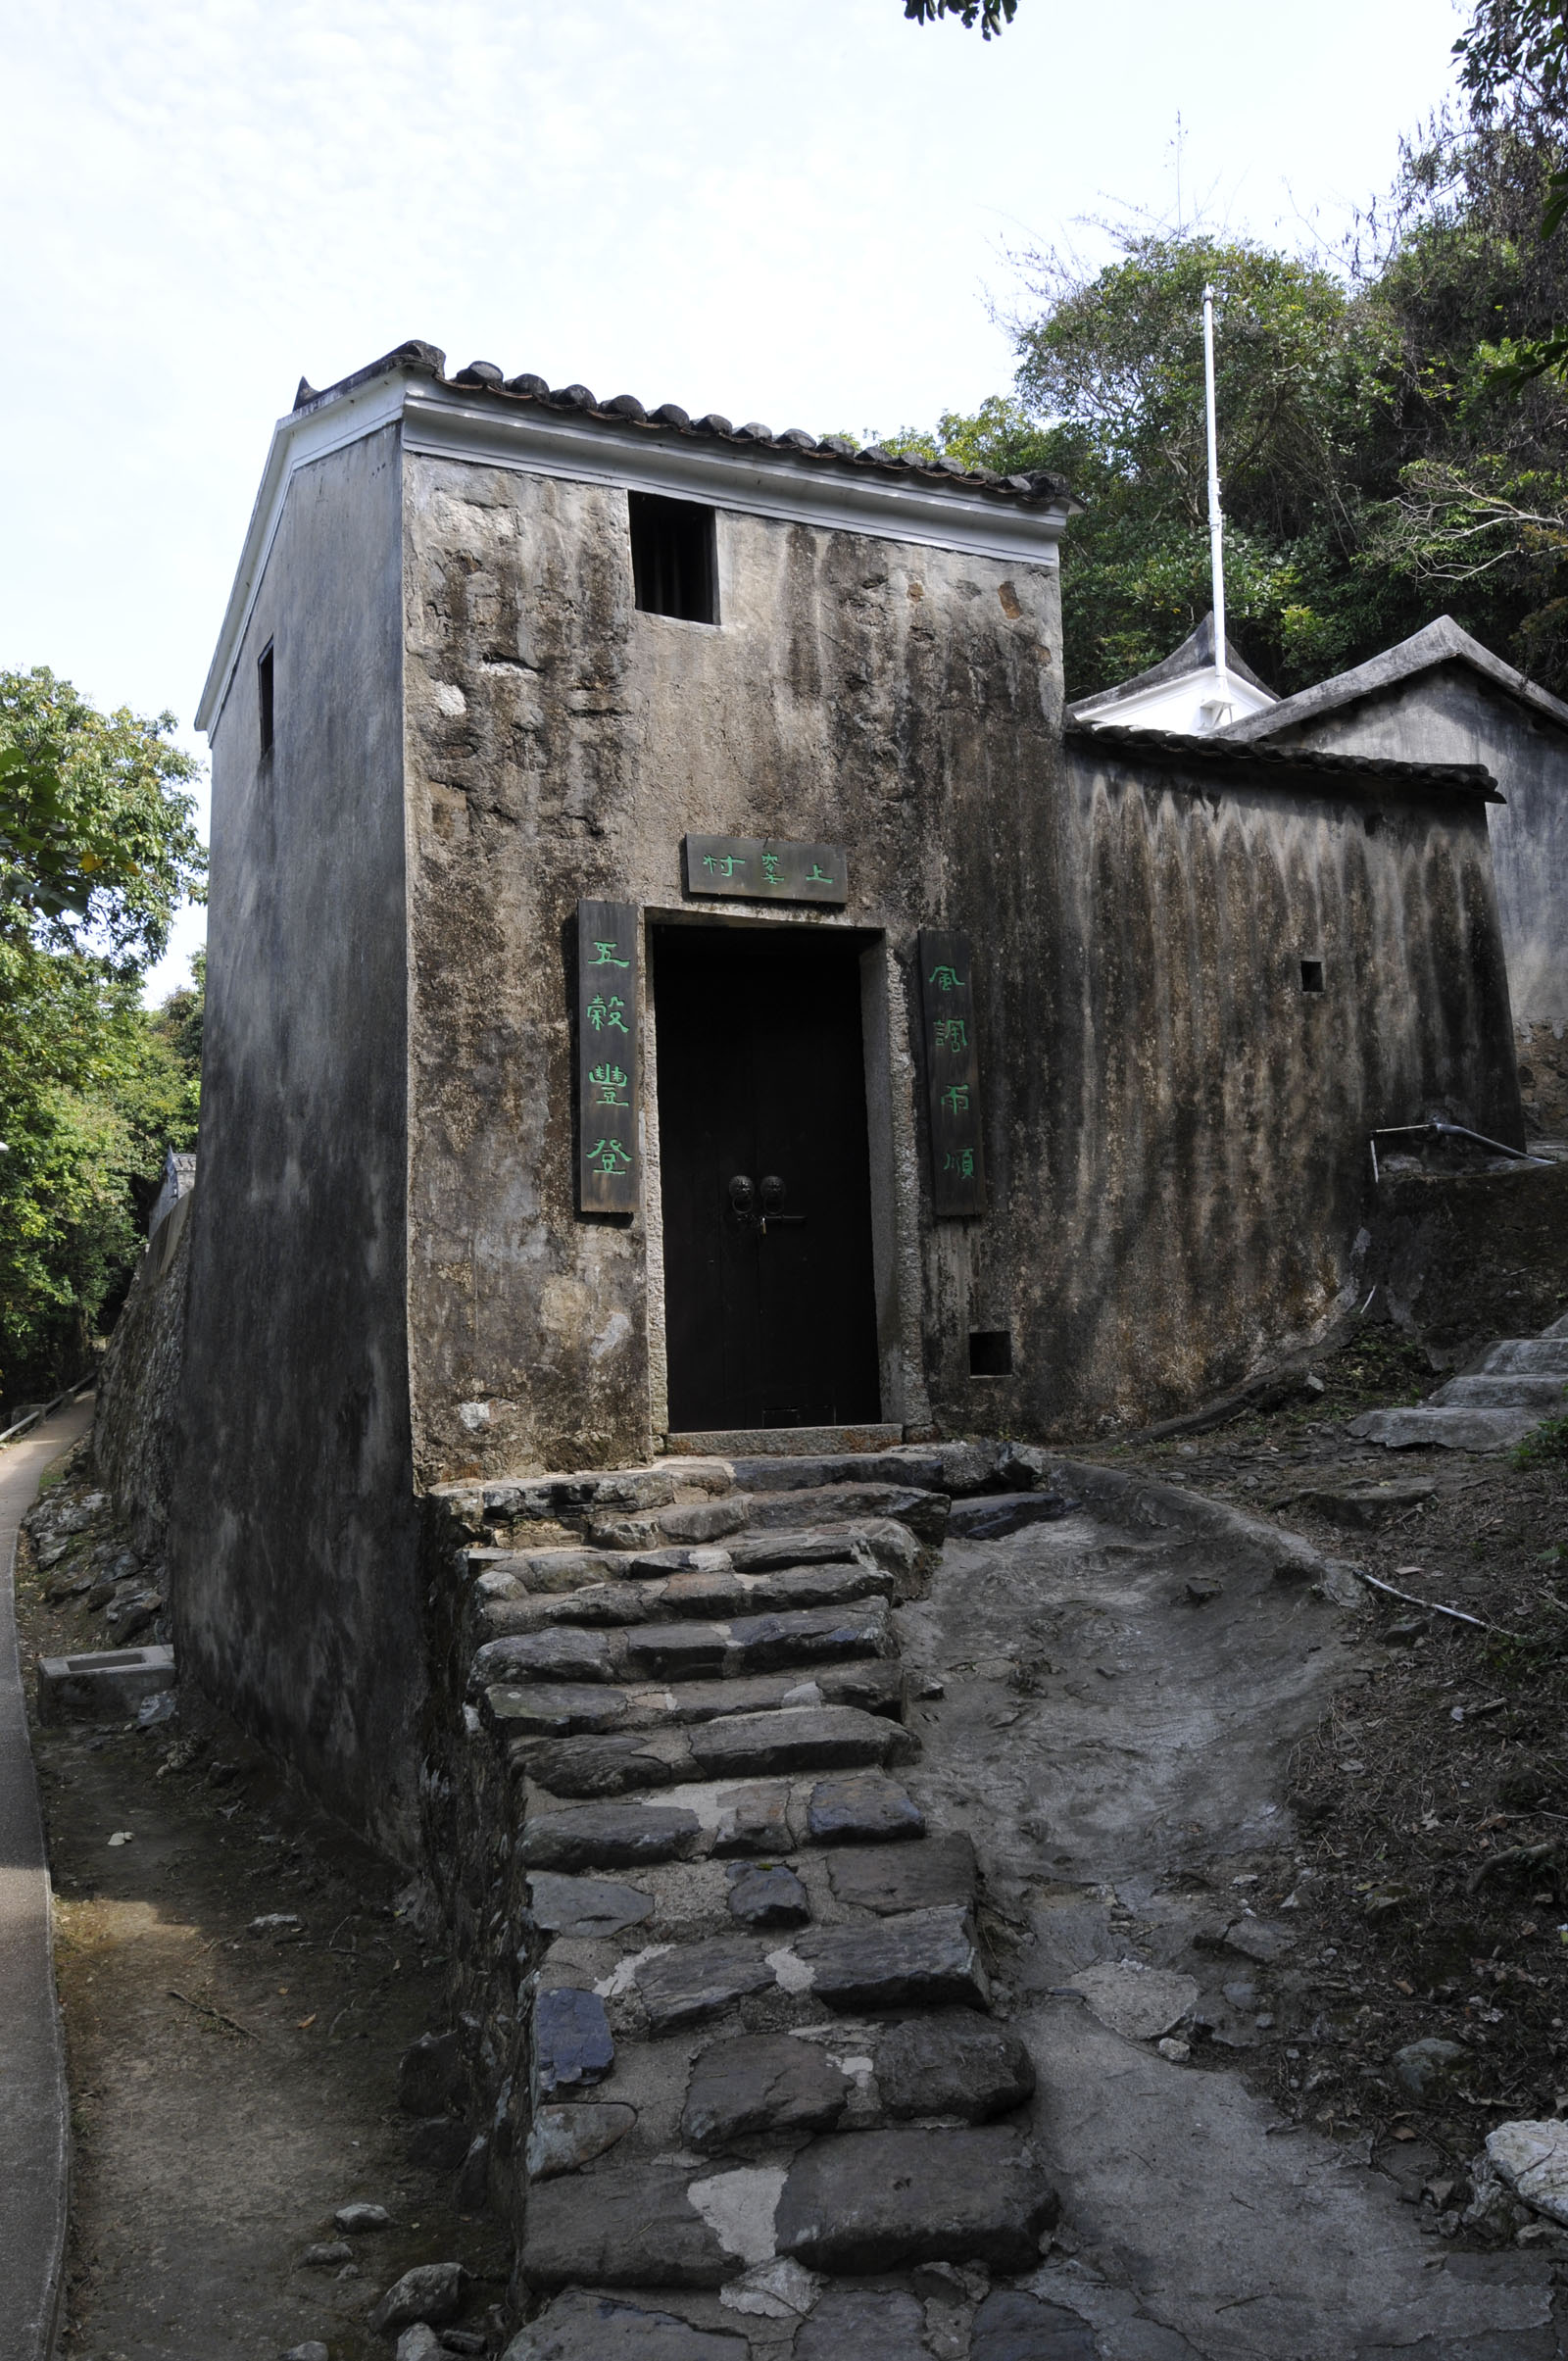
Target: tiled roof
pixel 670 421
pixel 1224 752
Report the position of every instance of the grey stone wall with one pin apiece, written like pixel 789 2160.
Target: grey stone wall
pixel 903 700
pixel 1449 714
pixel 292 1542
pixel 136 1417
pixel 1176 1135
pixel 1207 1120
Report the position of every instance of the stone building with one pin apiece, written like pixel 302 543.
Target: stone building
pixel 1442 697
pixel 676 974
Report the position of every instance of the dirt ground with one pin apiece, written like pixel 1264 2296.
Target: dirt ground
pixel 1428 1873
pixel 232 2084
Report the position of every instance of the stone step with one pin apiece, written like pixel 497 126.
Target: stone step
pixel 952 1467
pixel 1531 1356
pixel 1443 1429
pixel 506 1604
pixel 675 1650
pixel 594 1745
pixel 888 2201
pixel 584 2324
pixel 719 1820
pixel 861 2203
pixel 826 1504
pixel 1516 1390
pixel 925 1959
pixel 578 1755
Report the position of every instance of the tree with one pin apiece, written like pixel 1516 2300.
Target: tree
pixel 990 15
pixel 98 849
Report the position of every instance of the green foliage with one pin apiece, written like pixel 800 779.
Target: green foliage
pixel 97 850
pixel 1546 1447
pixel 990 15
pixel 1389 451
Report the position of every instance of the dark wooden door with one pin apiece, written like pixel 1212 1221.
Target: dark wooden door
pixel 769 1304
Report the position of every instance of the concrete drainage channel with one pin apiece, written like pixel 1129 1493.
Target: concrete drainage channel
pixel 826 1857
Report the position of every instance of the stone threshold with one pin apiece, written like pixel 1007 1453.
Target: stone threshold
pixel 781 1442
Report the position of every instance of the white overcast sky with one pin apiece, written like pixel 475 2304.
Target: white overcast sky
pixel 787 210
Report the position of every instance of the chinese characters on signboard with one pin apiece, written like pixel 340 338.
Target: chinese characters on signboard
pixel 764 869
pixel 953 1072
pixel 606 1057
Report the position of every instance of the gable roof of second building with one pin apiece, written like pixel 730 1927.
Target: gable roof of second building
pixel 1441 643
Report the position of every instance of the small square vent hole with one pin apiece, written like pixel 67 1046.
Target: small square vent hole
pixel 1311 975
pixel 991 1353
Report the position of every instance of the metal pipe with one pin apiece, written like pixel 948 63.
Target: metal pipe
pixel 1216 525
pixel 1452 1131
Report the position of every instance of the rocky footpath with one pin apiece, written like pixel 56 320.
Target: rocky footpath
pixel 724 1990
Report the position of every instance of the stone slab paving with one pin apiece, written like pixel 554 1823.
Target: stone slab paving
pixel 34 2121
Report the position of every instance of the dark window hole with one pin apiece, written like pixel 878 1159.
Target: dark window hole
pixel 263 696
pixel 675 558
pixel 991 1353
pixel 1311 975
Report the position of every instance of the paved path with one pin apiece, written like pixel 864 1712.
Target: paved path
pixel 34 2122
pixel 1113 1747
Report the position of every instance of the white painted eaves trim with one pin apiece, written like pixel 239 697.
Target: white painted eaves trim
pixel 439 422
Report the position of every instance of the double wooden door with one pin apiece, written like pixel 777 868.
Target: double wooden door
pixel 764 1176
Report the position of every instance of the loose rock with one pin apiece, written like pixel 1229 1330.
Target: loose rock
pixel 1423 2068
pixel 430 2074
pixel 330 2252
pixel 1532 2160
pixel 357 2220
pixel 418 2343
pixel 431 2292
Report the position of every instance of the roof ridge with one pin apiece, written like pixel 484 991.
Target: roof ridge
pixel 621 411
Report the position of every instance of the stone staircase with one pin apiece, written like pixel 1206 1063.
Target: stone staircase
pixel 723 1982
pixel 1520 1382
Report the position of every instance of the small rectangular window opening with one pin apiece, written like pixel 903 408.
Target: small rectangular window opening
pixel 675 558
pixel 1311 975
pixel 991 1353
pixel 263 696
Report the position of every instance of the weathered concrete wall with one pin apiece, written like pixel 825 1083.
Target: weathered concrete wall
pixel 1450 714
pixel 1463 1258
pixel 1176 1135
pixel 135 1428
pixel 901 700
pixel 1205 1121
pixel 292 1541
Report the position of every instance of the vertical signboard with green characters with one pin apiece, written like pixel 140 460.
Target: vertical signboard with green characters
pixel 953 1072
pixel 606 1057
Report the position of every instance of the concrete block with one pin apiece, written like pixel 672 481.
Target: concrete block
pixel 106 1685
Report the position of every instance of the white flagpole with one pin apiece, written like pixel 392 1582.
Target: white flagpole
pixel 1216 528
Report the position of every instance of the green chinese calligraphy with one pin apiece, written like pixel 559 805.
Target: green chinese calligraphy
pixel 722 864
pixel 962 1163
pixel 609 1157
pixel 951 1033
pixel 772 863
pixel 608 956
pixel 946 979
pixel 608 1014
pixel 610 1083
pixel 817 875
pixel 956 1097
